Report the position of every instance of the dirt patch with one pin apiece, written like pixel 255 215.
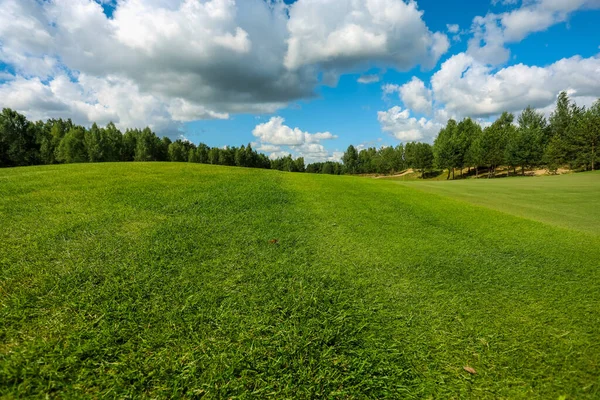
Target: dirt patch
pixel 539 172
pixel 407 172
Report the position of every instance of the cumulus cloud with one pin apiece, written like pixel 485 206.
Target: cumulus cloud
pixel 342 34
pixel 204 59
pixel 453 28
pixel 274 134
pixel 367 79
pixel 493 31
pixel 406 128
pixel 468 87
pixel 464 87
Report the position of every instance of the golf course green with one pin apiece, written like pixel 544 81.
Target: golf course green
pixel 170 280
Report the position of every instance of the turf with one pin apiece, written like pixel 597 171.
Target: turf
pixel 163 280
pixel 569 201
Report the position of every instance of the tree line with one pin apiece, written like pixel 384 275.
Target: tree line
pixel 56 141
pixel 570 137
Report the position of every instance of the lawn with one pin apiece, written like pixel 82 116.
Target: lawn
pixel 165 280
pixel 570 201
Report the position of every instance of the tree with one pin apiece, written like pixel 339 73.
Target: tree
pixel 251 157
pixel 178 152
pixel 17 140
pixel 213 155
pixel 240 156
pixel 299 167
pixel 202 151
pixel 112 140
pixel 350 160
pixel 443 147
pixel 93 144
pixel 72 147
pixel 423 157
pixel 525 145
pixel 129 147
pixel 586 136
pixel 555 154
pixel 475 156
pixel 466 131
pixel 163 149
pixel 147 146
pixel 494 140
pixel 560 119
pixel 409 154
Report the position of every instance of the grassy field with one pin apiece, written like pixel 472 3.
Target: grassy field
pixel 570 201
pixel 164 280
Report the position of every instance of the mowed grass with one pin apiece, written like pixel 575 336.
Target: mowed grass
pixel 159 281
pixel 570 201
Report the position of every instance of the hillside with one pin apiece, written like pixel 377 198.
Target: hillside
pixel 171 280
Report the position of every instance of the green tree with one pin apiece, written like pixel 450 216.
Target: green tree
pixel 93 144
pixel 112 140
pixel 18 145
pixel 554 154
pixel 423 157
pixel 178 151
pixel 494 140
pixel 213 155
pixel 147 146
pixel 443 147
pixel 240 156
pixel 586 137
pixel 350 159
pixel 524 146
pixel 202 151
pixel 129 146
pixel 299 167
pixel 72 147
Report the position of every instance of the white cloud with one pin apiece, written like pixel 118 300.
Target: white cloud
pixel 203 59
pixel 414 95
pixel 89 99
pixel 470 88
pixel 406 128
pixel 274 134
pixel 492 32
pixel 366 79
pixel 453 28
pixel 268 148
pixel 279 154
pixel 343 34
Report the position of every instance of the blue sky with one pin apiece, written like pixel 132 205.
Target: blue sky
pixel 234 77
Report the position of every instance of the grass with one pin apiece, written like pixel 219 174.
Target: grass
pixel 569 201
pixel 160 281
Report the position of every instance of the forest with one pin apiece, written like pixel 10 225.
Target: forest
pixel 569 138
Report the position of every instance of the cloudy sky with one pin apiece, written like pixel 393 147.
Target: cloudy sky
pixel 307 77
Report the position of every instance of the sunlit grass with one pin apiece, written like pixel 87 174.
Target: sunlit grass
pixel 161 280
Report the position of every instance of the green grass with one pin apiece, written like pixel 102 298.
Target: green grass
pixel 570 201
pixel 158 280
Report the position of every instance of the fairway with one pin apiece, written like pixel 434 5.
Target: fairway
pixel 165 280
pixel 570 201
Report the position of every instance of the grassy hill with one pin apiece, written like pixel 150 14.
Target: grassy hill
pixel 186 280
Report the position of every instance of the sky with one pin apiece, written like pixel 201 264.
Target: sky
pixel 304 77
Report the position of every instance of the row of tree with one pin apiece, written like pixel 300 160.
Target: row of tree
pixel 388 160
pixel 570 138
pixel 60 141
